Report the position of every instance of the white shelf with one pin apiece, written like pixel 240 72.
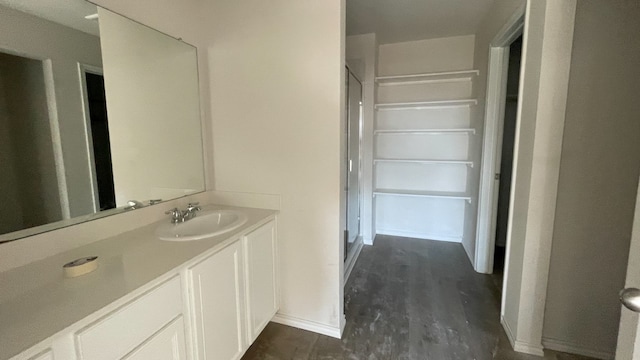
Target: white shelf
pixel 426 104
pixel 427 131
pixel 426 194
pixel 425 161
pixel 463 75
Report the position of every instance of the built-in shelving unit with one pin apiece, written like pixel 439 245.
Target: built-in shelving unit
pixel 422 162
pixel 417 105
pixel 425 131
pixel 464 75
pixel 425 161
pixel 427 194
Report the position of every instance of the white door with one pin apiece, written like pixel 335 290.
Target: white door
pixel 261 287
pixel 629 335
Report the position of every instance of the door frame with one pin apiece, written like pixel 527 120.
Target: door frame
pixel 544 88
pixel 492 140
pixel 84 69
pixel 352 255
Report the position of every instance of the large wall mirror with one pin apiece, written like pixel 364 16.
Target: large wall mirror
pixel 96 110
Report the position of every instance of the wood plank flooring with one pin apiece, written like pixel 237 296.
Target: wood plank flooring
pixel 407 299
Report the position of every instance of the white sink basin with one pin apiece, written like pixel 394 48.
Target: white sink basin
pixel 204 225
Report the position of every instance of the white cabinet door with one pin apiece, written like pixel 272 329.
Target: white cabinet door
pixel 166 344
pixel 217 305
pixel 262 294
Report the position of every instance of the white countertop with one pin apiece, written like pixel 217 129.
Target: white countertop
pixel 37 301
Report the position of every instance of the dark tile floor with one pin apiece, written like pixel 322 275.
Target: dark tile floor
pixel 407 299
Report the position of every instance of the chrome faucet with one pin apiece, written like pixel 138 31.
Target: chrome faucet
pixel 176 215
pixel 191 211
pixel 179 216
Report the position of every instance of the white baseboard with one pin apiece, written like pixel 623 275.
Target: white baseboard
pixel 417 235
pixel 507 330
pixel 312 326
pixel 350 263
pixel 526 348
pixel 577 349
pixel 520 346
pixel 368 241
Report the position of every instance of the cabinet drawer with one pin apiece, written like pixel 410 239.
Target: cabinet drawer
pixel 167 344
pixel 118 333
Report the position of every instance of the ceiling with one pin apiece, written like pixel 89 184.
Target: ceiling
pixel 408 20
pixel 69 13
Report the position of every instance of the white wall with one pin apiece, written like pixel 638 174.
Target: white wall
pixel 168 16
pixel 151 86
pixel 362 57
pixel 277 95
pixel 599 172
pixel 548 36
pixel 63 48
pixel 433 55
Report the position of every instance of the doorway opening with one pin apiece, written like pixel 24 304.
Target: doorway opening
pixel 503 80
pixel 99 147
pixel 506 154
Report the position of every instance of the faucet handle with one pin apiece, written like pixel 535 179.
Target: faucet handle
pixel 176 215
pixel 193 206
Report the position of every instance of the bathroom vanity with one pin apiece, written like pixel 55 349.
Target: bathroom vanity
pixel 149 298
pixel 106 137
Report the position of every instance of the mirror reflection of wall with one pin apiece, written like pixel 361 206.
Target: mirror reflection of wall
pixel 95 110
pixel 27 161
pixel 151 78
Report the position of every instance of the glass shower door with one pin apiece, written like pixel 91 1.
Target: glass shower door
pixel 354 134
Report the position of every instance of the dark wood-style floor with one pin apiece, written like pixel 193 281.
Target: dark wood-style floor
pixel 407 299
